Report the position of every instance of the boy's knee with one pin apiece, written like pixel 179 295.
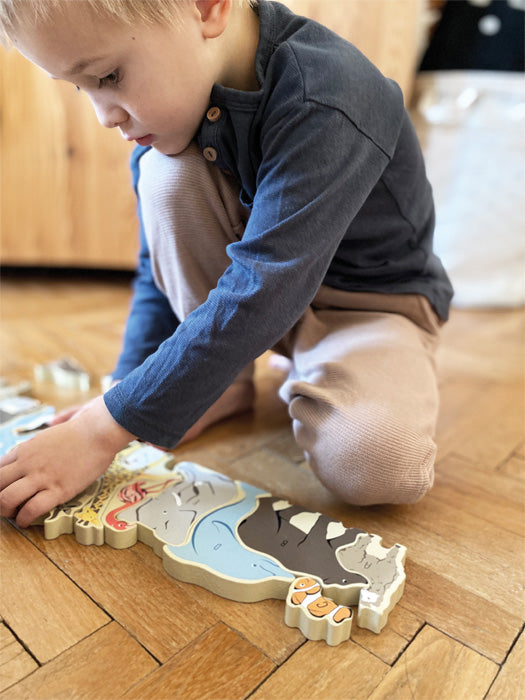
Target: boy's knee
pixel 163 178
pixel 368 461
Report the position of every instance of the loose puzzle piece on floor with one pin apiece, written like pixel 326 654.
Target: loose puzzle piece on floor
pixel 234 539
pixel 65 373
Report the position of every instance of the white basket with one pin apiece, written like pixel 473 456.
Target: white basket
pixel 471 125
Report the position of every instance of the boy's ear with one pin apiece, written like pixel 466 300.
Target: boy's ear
pixel 214 16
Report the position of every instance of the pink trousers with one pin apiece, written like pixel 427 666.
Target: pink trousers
pixel 362 391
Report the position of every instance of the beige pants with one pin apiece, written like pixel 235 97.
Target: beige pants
pixel 362 393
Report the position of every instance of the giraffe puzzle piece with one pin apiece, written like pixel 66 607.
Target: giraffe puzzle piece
pixel 232 538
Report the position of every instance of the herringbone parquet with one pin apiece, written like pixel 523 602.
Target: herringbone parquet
pixel 101 624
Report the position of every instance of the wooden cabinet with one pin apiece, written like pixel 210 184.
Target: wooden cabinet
pixel 65 188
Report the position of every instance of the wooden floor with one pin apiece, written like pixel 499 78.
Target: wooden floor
pixel 101 624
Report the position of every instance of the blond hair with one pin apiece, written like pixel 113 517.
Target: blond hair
pixel 12 12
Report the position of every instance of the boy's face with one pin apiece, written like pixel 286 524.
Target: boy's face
pixel 151 81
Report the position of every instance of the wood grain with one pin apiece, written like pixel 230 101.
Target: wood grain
pixel 318 671
pixel 104 665
pixel 403 625
pixel 15 662
pixel 475 492
pixel 460 619
pixel 141 597
pixel 47 611
pixel 259 623
pixel 469 618
pixel 514 467
pixel 510 682
pixel 60 201
pixel 220 664
pixel 456 671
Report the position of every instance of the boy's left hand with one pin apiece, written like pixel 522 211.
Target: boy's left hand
pixel 58 463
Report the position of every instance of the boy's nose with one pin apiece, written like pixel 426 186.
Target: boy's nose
pixel 110 116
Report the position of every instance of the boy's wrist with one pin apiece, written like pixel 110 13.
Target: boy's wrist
pixel 110 434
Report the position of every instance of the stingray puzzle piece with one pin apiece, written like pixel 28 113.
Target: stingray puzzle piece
pixel 232 538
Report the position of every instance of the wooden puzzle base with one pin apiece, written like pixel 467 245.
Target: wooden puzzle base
pixel 230 537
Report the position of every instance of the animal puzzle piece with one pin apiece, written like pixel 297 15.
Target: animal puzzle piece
pixel 13 403
pixel 13 406
pixel 232 538
pixel 20 418
pixel 316 616
pixel 7 390
pixel 64 373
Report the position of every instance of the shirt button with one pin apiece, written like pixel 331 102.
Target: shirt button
pixel 213 114
pixel 210 154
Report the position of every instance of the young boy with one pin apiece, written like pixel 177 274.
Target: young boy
pixel 284 205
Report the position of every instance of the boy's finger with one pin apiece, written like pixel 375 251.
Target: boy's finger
pixel 8 474
pixel 64 416
pixel 40 504
pixel 13 495
pixel 8 458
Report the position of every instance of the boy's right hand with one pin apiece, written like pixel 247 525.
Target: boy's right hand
pixel 59 462
pixel 65 415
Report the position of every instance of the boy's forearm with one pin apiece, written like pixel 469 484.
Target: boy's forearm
pixel 150 322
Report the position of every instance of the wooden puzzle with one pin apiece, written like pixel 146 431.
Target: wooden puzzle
pixel 232 538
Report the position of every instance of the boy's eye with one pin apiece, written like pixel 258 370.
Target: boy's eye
pixel 112 78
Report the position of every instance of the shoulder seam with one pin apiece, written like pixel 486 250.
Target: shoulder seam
pixel 332 107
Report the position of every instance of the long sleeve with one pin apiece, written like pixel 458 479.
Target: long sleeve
pixel 293 232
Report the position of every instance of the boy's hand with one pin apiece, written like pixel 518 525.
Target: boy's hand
pixel 73 411
pixel 58 463
pixel 67 414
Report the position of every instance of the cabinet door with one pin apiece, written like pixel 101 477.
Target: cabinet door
pixel 65 186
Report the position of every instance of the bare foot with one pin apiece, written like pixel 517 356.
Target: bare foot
pixel 237 398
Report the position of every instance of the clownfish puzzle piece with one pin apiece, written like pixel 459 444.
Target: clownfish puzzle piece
pixel 316 616
pixel 230 537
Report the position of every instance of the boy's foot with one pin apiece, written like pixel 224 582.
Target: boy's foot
pixel 237 398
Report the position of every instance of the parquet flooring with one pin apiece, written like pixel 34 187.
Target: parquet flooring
pixel 100 624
